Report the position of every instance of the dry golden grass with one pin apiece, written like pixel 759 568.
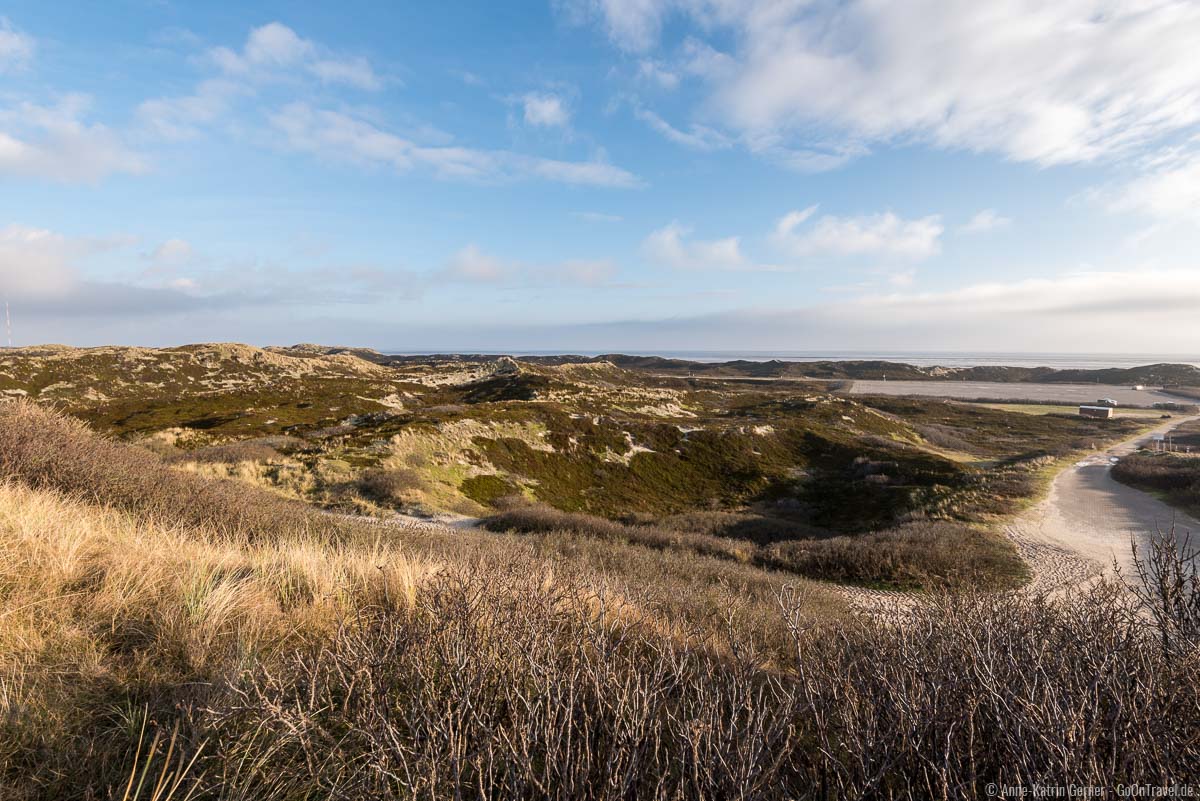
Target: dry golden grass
pixel 200 587
pixel 101 612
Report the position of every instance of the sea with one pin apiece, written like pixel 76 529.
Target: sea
pixel 1060 361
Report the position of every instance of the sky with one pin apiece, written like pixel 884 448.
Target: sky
pixel 603 175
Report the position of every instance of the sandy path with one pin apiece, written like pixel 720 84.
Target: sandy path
pixel 1081 528
pixel 1087 521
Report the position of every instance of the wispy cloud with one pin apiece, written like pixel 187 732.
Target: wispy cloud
pixel 985 221
pixel 1168 191
pixel 185 117
pixel 697 137
pixel 545 110
pixel 339 136
pixel 868 235
pixel 16 47
pixel 1096 79
pixel 670 246
pixel 56 142
pixel 658 73
pixel 274 48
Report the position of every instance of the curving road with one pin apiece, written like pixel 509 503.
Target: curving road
pixel 1088 520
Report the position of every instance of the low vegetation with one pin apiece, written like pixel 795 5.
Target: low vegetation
pixel 1175 477
pixel 151 624
pixel 923 555
pixel 593 436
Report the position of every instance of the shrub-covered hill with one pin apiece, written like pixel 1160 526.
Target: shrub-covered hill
pixel 461 435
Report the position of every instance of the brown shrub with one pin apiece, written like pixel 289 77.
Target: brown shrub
pixel 914 555
pixel 922 554
pixel 507 686
pixel 751 527
pixel 540 519
pixel 388 485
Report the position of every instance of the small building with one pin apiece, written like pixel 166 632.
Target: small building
pixel 1103 412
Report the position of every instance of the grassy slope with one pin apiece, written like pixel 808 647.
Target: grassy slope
pixel 362 662
pixel 129 589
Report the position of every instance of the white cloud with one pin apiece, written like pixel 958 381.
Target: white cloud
pixel 632 24
pixel 275 48
pixel 1048 83
pixel 658 73
pixel 54 142
pixel 271 52
pixel 816 157
pixel 356 72
pixel 341 137
pixel 984 221
pixel 868 235
pixel 16 48
pixel 183 117
pixel 787 223
pixel 588 173
pixel 545 110
pixel 275 43
pixel 668 246
pixel 1170 191
pixel 35 261
pixel 698 137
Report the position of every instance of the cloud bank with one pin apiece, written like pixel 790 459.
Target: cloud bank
pixel 1047 83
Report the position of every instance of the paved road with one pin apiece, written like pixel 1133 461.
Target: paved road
pixel 1087 520
pixel 973 390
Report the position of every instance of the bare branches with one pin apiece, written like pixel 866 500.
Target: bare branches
pixel 1167 585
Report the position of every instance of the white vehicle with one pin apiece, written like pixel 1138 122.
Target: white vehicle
pixel 1107 402
pixel 1138 387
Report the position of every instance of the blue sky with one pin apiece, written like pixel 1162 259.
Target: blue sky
pixel 603 174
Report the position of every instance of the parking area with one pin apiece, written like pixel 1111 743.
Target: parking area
pixel 990 390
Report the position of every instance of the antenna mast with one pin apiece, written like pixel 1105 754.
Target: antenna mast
pixel 7 322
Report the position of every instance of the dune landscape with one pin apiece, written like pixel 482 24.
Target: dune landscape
pixel 599 400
